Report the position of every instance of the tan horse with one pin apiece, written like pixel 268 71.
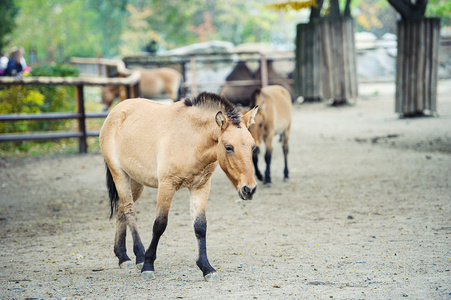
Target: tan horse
pixel 171 147
pixel 273 118
pixel 154 82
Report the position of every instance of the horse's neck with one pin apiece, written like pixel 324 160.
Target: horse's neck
pixel 207 140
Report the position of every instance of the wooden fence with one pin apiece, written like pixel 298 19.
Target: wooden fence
pixel 189 66
pixel 131 84
pixel 101 72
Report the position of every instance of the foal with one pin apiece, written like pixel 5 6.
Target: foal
pixel 141 141
pixel 273 118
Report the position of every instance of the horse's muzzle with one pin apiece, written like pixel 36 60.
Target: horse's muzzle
pixel 246 192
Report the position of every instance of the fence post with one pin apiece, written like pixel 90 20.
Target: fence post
pixel 128 92
pixel 82 145
pixel 192 61
pixel 264 70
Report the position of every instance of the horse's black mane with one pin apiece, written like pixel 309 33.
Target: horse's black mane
pixel 215 101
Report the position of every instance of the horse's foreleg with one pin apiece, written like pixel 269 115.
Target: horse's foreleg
pixel 159 226
pixel 255 154
pixel 199 199
pixel 268 153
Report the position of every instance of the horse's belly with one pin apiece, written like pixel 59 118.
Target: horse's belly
pixel 143 173
pixel 280 127
pixel 152 90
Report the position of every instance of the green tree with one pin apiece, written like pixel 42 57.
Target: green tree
pixel 110 18
pixel 177 23
pixel 56 31
pixel 8 13
pixel 441 9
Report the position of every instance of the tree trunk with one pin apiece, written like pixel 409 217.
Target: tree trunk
pixel 417 67
pixel 325 60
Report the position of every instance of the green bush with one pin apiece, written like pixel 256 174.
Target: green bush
pixel 57 70
pixel 36 99
pixel 19 99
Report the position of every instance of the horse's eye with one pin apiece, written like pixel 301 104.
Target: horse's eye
pixel 229 148
pixel 260 125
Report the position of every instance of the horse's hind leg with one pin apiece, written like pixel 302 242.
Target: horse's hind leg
pixel 126 215
pixel 286 135
pixel 138 247
pixel 120 237
pixel 165 194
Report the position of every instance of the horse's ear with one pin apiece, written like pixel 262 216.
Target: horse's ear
pixel 221 120
pixel 249 117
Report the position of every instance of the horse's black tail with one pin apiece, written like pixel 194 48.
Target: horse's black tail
pixel 254 95
pixel 112 191
pixel 180 91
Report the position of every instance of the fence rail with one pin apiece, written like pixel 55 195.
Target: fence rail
pixel 131 84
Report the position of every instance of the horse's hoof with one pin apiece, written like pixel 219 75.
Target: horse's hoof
pixel 139 266
pixel 148 275
pixel 126 265
pixel 212 277
pixel 267 184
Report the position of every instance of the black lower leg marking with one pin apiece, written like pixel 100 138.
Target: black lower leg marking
pixel 119 245
pixel 138 248
pixel 268 166
pixel 159 226
pixel 255 162
pixel 200 229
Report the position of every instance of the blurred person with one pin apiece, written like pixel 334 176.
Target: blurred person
pixel 22 58
pixel 14 67
pixel 3 63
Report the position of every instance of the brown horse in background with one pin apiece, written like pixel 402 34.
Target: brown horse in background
pixel 242 94
pixel 239 94
pixel 170 147
pixel 274 78
pixel 273 118
pixel 154 82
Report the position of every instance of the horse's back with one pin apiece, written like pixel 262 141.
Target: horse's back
pixel 162 80
pixel 134 135
pixel 278 101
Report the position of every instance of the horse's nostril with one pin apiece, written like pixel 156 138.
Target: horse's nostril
pixel 253 190
pixel 246 190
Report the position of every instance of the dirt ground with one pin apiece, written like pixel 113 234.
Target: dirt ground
pixel 366 215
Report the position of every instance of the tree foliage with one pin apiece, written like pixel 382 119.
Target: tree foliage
pixel 58 30
pixel 8 13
